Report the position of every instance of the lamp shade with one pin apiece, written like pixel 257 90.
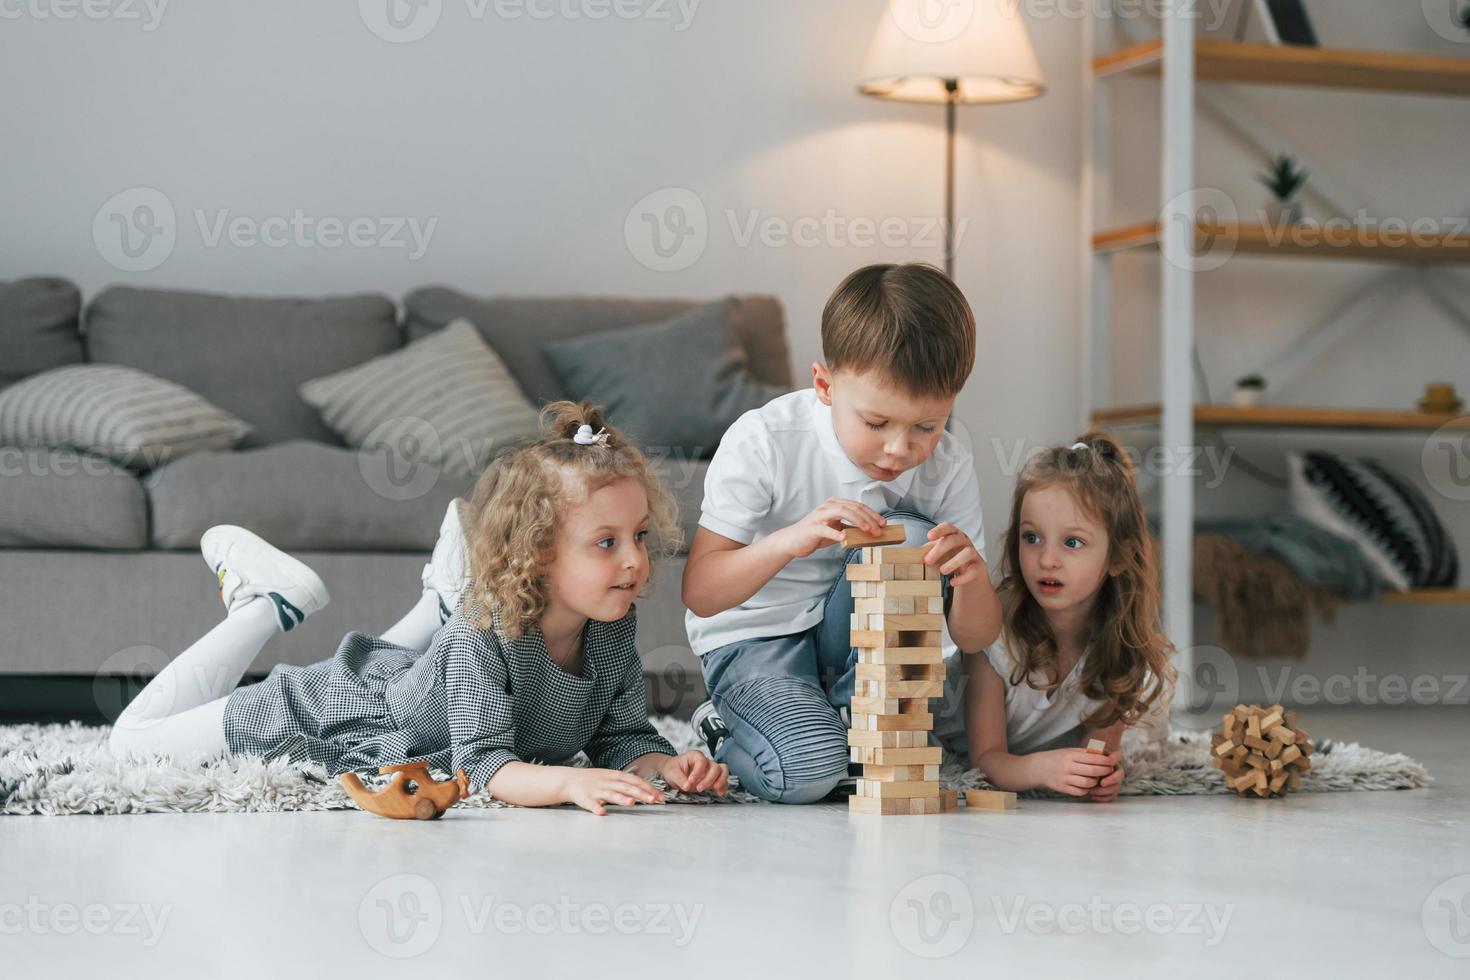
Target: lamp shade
pixel 979 45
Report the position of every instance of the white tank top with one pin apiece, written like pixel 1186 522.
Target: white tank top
pixel 1035 721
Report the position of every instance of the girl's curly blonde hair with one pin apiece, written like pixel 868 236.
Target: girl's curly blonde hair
pixel 518 504
pixel 1127 667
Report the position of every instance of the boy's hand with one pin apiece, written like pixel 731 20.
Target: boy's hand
pixel 954 553
pixel 1074 772
pixel 590 789
pixel 823 526
pixel 695 772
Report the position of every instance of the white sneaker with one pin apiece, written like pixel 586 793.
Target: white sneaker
pixel 447 572
pixel 249 567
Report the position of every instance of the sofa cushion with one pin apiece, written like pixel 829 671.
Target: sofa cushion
pixel 127 415
pixel 447 394
pixel 691 361
pixel 39 327
pixel 303 496
pixel 61 498
pixel 517 329
pixel 246 355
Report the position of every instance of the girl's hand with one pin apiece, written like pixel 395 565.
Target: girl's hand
pixel 824 526
pixel 1073 771
pixel 695 772
pixel 955 554
pixel 1107 790
pixel 591 788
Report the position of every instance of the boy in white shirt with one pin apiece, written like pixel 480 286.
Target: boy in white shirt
pixel 864 446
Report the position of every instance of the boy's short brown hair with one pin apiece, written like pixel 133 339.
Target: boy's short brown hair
pixel 910 322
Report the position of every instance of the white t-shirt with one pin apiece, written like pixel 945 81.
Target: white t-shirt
pixel 1035 721
pixel 774 466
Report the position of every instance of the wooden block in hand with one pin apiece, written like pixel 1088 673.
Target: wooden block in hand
pixel 988 799
pixel 853 537
pixel 1097 746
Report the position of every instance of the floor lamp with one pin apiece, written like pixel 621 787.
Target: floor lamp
pixel 952 54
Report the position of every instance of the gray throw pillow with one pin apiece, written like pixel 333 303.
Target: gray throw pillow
pixel 674 385
pixel 446 399
pixel 122 413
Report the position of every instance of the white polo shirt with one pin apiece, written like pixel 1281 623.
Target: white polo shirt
pixel 776 465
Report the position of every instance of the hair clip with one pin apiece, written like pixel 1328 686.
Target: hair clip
pixel 586 437
pixel 1080 445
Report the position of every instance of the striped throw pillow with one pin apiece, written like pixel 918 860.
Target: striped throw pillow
pixel 445 399
pixel 127 415
pixel 1388 518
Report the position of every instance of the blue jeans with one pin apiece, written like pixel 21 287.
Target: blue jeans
pixel 780 696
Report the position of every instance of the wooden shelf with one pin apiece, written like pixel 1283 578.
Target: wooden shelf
pixel 1306 241
pixel 1427 597
pixel 1290 417
pixel 1269 64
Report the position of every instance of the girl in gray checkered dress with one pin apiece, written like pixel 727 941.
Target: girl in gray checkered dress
pixel 535 663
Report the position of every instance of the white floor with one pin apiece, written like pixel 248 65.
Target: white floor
pixel 1353 885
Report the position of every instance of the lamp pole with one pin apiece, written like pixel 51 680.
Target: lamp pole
pixel 951 103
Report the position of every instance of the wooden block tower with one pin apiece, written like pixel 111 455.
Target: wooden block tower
pixel 897 616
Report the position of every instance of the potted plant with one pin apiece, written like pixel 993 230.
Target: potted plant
pixel 1248 390
pixel 1285 181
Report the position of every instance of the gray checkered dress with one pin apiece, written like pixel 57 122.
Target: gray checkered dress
pixel 473 701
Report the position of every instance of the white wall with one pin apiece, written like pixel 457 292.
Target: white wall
pixel 529 140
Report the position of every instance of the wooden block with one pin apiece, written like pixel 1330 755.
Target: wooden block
pixel 989 799
pixel 901 688
pixel 1289 755
pixel 932 604
pixel 898 604
pixel 1253 726
pixel 876 638
pixel 1256 742
pixel 932 573
pixel 949 799
pixel 929 755
pixel 853 537
pixel 889 706
pixel 915 806
pixel 905 789
pixel 1096 746
pixel 864 590
pixel 888 655
pixel 869 573
pixel 894 621
pixel 1225 748
pixel 914 721
pixel 1293 780
pixel 1271 721
pixel 908 573
pixel 900 774
pixel 891 555
pixel 898 672
pixel 866 739
pixel 1274 750
pixel 925 587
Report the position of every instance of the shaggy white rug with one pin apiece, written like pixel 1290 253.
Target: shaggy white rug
pixel 66 769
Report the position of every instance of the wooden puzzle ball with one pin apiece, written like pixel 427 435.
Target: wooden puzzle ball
pixel 1261 750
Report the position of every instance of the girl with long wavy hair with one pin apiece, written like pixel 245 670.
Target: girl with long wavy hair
pixel 1081 655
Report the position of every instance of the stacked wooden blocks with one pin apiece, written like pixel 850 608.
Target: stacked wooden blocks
pixel 898 613
pixel 1261 750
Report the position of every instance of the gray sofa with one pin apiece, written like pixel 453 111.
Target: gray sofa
pixel 99 570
